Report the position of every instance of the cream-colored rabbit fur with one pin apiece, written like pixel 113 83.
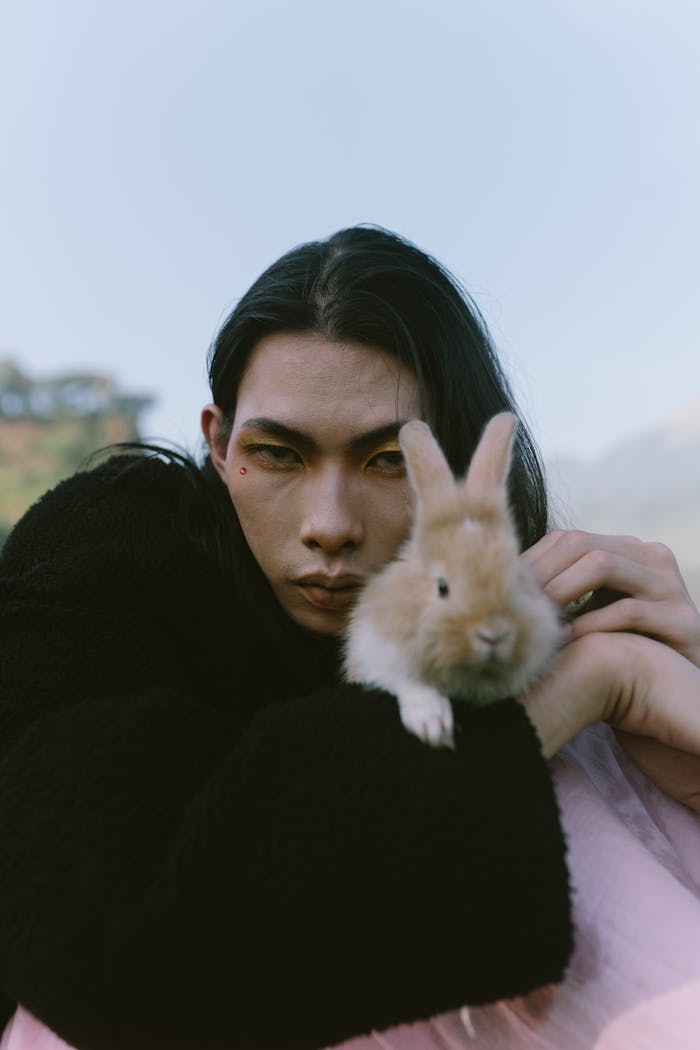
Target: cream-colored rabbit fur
pixel 458 613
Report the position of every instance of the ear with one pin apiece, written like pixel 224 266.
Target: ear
pixel 216 437
pixel 428 469
pixel 487 477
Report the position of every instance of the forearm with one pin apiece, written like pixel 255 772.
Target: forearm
pixel 667 747
pixel 189 892
pixel 188 864
pixel 649 694
pixel 572 694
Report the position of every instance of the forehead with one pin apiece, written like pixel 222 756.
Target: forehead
pixel 305 380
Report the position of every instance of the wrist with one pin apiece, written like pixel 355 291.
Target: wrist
pixel 574 694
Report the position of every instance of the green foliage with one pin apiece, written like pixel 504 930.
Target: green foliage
pixel 49 429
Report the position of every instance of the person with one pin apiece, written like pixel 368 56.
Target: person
pixel 209 839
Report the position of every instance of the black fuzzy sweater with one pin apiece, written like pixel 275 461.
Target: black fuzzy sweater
pixel 206 844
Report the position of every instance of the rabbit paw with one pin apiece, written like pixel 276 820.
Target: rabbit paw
pixel 428 715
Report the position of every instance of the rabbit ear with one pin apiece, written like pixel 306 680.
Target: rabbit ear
pixel 485 484
pixel 428 469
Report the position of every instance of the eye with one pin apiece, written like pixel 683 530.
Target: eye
pixel 389 460
pixel 276 455
pixel 443 589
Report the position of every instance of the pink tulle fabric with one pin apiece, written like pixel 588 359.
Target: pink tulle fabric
pixel 634 980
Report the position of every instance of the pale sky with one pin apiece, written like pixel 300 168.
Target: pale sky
pixel 156 155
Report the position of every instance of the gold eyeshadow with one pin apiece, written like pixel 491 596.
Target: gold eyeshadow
pixel 390 446
pixel 252 443
pixel 257 442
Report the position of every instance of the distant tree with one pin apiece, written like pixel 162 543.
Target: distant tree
pixel 68 394
pixel 82 394
pixel 15 389
pixel 49 427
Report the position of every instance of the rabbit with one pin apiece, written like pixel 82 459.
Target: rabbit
pixel 457 613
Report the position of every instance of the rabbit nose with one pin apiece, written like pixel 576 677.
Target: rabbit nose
pixel 494 637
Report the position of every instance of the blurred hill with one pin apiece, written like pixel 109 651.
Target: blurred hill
pixel 647 487
pixel 48 428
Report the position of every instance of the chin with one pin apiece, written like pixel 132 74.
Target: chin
pixel 318 622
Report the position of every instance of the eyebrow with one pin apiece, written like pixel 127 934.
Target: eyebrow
pixel 273 428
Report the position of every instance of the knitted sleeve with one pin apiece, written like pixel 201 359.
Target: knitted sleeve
pixel 174 876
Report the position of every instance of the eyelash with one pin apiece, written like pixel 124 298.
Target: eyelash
pixel 397 464
pixel 273 457
pixel 274 463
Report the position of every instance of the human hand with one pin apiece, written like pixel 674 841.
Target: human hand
pixel 636 587
pixel 647 692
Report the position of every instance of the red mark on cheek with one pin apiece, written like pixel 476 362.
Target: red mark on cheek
pixel 243 470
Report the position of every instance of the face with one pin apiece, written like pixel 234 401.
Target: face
pixel 314 469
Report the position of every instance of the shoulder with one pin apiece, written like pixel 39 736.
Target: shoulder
pixel 127 499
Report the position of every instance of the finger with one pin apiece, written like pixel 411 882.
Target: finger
pixel 543 545
pixel 674 623
pixel 558 550
pixel 658 696
pixel 600 568
pixel 611 569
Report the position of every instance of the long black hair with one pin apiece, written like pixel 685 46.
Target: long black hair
pixel 367 285
pixel 364 285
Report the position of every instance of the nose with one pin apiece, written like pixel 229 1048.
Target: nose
pixel 494 638
pixel 332 519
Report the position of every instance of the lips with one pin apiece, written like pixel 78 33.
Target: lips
pixel 330 592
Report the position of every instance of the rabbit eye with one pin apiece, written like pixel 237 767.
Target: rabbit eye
pixel 443 589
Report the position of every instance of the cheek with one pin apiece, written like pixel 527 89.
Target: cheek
pixel 251 492
pixel 265 515
pixel 391 520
